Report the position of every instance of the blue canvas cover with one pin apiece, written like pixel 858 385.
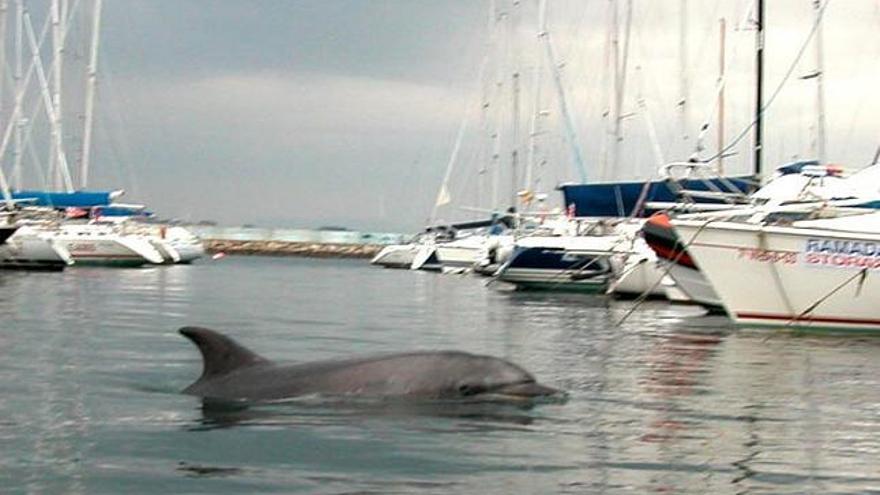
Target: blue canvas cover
pixel 620 199
pixel 78 199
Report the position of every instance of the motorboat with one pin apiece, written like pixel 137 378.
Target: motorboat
pixel 816 272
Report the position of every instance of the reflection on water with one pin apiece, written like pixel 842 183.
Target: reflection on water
pixel 670 401
pixel 483 416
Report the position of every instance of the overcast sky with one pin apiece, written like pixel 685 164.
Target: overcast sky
pixel 304 113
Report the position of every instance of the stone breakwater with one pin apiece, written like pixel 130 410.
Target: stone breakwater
pixel 288 248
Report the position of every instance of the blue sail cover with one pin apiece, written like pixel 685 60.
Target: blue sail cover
pixel 78 199
pixel 620 199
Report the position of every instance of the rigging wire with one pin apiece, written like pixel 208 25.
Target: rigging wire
pixel 765 106
pixel 858 113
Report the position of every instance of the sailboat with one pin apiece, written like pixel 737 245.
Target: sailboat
pixel 790 262
pixel 87 238
pixel 616 209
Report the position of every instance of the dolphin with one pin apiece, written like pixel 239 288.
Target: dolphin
pixel 232 372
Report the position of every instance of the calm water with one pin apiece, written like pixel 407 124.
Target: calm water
pixel 671 401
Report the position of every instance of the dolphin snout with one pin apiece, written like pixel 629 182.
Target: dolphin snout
pixel 529 390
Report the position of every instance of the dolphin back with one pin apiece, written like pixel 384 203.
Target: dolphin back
pixel 220 354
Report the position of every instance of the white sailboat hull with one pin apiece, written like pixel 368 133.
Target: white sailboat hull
pixel 89 244
pixel 637 270
pixel 640 278
pixel 175 244
pixel 461 253
pixel 29 248
pixel 396 256
pixel 188 251
pixel 790 276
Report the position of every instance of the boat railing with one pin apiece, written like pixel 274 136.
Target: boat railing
pixel 675 173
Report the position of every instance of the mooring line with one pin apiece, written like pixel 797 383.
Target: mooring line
pixel 644 295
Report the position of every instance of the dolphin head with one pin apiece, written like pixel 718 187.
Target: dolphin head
pixel 487 377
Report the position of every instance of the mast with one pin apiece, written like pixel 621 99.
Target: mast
pixel 534 127
pixel 91 84
pixel 7 193
pixel 55 121
pixel 560 93
pixel 15 120
pixel 620 62
pixel 19 92
pixel 615 76
pixel 514 87
pixel 820 91
pixel 499 115
pixel 486 104
pixel 62 169
pixel 722 27
pixel 606 86
pixel 683 75
pixel 514 153
pixel 4 9
pixel 759 92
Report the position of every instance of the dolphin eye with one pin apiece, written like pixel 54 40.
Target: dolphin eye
pixel 470 389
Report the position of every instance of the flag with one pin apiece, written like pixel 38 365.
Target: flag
pixel 526 196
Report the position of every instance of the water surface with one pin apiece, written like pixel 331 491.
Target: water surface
pixel 669 401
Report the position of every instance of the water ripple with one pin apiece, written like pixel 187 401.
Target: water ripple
pixel 671 400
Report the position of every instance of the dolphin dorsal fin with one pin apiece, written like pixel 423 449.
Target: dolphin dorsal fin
pixel 220 354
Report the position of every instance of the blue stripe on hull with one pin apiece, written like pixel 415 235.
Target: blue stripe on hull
pixel 556 269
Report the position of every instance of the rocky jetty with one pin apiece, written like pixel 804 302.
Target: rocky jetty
pixel 283 248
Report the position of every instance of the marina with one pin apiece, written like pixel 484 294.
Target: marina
pixel 505 246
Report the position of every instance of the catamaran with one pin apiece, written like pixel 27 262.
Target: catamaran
pixel 102 244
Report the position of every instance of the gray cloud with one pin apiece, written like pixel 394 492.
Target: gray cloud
pixel 305 113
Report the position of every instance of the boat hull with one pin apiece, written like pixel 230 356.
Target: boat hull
pixel 457 254
pixel 396 256
pixel 28 249
pixel 188 251
pixel 790 277
pixel 557 269
pixel 103 246
pixel 664 240
pixel 426 259
pixel 639 278
pixel 695 286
